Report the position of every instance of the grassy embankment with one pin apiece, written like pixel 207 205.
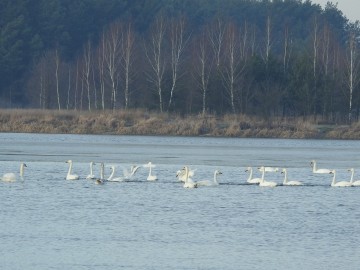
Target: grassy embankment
pixel 139 122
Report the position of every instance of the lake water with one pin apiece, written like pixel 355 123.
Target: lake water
pixel 47 222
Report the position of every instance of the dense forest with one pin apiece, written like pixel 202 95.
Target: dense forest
pixel 254 57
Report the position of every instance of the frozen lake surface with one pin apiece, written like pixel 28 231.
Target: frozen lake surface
pixel 47 222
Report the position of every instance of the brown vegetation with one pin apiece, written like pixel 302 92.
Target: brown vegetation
pixel 141 122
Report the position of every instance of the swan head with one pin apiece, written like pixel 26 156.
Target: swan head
pixel 179 172
pixel 69 161
pixel 312 162
pixel 248 169
pixel 332 172
pixel 351 170
pixel 99 182
pixel 23 164
pixel 218 172
pixel 283 170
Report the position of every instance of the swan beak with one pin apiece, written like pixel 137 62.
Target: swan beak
pixel 25 165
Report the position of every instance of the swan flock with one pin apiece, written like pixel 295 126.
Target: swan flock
pixel 186 175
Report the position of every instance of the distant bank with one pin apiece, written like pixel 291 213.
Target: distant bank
pixel 140 122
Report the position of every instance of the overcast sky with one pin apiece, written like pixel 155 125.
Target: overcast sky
pixel 350 8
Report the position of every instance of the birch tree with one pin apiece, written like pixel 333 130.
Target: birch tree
pixel 178 41
pixel 112 59
pixel 268 41
pixel 287 48
pixel 57 65
pixel 87 71
pixel 203 68
pixel 216 37
pixel 128 40
pixel 315 58
pixel 155 55
pixel 101 69
pixel 232 68
pixel 352 70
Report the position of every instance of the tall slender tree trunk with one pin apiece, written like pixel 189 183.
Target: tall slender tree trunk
pixel 155 55
pixel 57 63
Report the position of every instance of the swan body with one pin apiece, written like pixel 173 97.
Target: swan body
pixel 69 175
pixel 111 178
pixel 316 170
pixel 11 177
pixel 353 183
pixel 264 183
pixel 181 174
pixel 151 177
pixel 209 182
pixel 128 175
pixel 189 183
pixel 251 180
pixel 290 183
pixel 91 175
pixel 339 184
pixel 269 169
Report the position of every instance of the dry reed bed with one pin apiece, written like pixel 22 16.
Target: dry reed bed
pixel 140 122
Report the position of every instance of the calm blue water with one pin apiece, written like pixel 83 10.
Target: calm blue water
pixel 47 222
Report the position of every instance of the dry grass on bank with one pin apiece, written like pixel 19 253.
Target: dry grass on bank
pixel 141 122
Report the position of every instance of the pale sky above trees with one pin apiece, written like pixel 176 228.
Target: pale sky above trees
pixel 350 8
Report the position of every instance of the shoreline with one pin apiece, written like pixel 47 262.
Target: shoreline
pixel 141 122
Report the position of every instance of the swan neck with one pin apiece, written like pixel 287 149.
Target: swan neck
pixel 352 177
pixel 263 175
pixel 21 170
pixel 215 177
pixel 102 171
pixel 112 173
pixel 334 179
pixel 150 170
pixel 91 168
pixel 186 174
pixel 70 168
pixel 314 166
pixel 251 174
pixel 285 177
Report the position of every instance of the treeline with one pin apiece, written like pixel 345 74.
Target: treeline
pixel 266 58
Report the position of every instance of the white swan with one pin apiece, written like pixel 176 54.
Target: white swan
pixel 189 183
pixel 339 184
pixel 91 175
pixel 70 176
pixel 111 178
pixel 251 180
pixel 316 170
pixel 209 182
pixel 128 175
pixel 150 177
pixel 289 183
pixel 269 169
pixel 353 183
pixel 264 183
pixel 181 174
pixel 11 177
pixel 101 180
